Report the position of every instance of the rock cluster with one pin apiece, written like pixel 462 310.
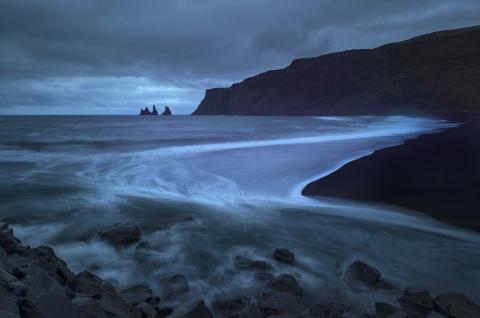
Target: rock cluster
pixel 35 283
pixel 147 111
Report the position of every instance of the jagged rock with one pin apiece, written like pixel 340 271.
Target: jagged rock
pixel 8 304
pixel 147 310
pixel 360 274
pixel 199 310
pixel 167 111
pixel 46 294
pixel 416 302
pixel 121 234
pixel 164 311
pixel 401 314
pixel 134 295
pixel 286 283
pixel 45 258
pixel 330 310
pixel 282 303
pixel 28 309
pixel 230 306
pixel 250 311
pixel 176 286
pixel 154 110
pixel 12 284
pixel 86 283
pixel 456 305
pixel 8 242
pixel 283 255
pixel 113 303
pixel 243 263
pixel 383 310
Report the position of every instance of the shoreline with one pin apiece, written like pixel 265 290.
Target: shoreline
pixel 433 174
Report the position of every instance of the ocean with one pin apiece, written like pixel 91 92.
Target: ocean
pixel 204 189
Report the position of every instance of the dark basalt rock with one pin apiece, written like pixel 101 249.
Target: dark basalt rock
pixel 416 302
pixel 383 310
pixel 230 306
pixel 360 274
pixel 199 310
pixel 456 305
pixel 136 294
pixel 167 111
pixel 243 263
pixel 282 303
pixel 121 234
pixel 176 285
pixel 330 310
pixel 283 255
pixel 286 283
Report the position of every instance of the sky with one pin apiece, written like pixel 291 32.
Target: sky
pixel 115 56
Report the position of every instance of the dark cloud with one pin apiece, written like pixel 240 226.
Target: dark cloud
pixel 112 56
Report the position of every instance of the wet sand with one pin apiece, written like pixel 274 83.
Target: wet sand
pixel 437 174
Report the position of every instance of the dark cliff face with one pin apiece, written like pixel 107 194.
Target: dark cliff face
pixel 433 73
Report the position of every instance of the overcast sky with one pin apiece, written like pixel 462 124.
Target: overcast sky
pixel 111 57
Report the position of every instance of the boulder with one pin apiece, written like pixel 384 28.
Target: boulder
pixel 330 310
pixel 198 310
pixel 11 284
pixel 383 310
pixel 243 263
pixel 46 294
pixel 360 274
pixel 281 303
pixel 147 310
pixel 283 255
pixel 136 294
pixel 121 234
pixel 176 285
pixel 416 302
pixel 45 258
pixel 89 284
pixel 230 306
pixel 8 304
pixel 286 283
pixel 8 242
pixel 28 309
pixel 456 305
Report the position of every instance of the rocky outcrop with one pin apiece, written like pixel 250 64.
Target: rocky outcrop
pixel 147 111
pixel 121 234
pixel 284 255
pixel 167 111
pixel 433 73
pixel 362 275
pixel 31 286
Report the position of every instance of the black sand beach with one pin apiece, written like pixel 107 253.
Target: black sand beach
pixel 437 174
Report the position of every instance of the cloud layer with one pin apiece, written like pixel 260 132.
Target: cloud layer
pixel 111 57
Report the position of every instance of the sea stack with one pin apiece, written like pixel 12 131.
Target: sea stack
pixel 147 111
pixel 167 111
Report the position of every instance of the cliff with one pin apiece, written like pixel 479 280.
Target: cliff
pixel 433 73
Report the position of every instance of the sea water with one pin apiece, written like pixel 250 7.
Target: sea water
pixel 204 189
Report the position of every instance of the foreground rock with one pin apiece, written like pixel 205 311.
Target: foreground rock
pixel 34 282
pixel 121 234
pixel 360 274
pixel 283 255
pixel 456 305
pixel 199 310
